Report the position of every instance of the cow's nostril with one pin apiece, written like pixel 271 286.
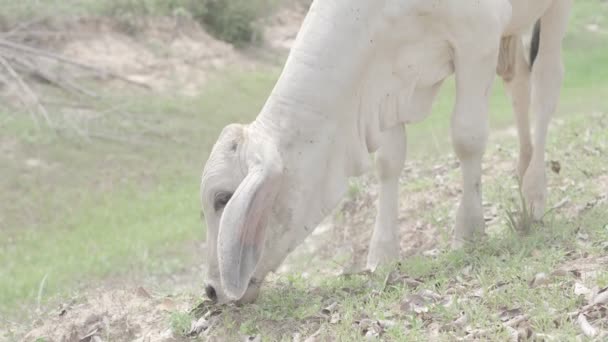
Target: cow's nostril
pixel 210 292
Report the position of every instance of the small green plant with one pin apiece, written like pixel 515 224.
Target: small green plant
pixel 354 189
pixel 248 327
pixel 180 323
pixel 520 220
pixel 235 21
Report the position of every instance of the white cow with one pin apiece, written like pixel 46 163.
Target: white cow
pixel 359 71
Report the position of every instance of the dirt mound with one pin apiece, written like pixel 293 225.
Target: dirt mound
pixel 118 315
pixel 165 54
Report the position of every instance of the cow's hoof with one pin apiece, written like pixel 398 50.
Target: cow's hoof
pixel 470 226
pixel 458 244
pixel 534 190
pixel 382 253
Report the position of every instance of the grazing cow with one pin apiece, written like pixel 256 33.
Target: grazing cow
pixel 359 71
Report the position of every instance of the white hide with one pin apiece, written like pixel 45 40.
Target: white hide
pixel 357 72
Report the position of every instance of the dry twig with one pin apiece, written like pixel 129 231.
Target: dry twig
pixel 27 90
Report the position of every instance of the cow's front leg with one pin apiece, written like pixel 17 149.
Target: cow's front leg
pixel 384 246
pixel 474 77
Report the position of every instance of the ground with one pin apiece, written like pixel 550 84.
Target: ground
pixel 101 237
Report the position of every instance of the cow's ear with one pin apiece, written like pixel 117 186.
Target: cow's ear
pixel 242 229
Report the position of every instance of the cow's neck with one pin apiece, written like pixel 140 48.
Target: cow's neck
pixel 309 113
pixel 322 70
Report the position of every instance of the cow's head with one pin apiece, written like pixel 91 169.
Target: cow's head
pixel 239 186
pixel 261 198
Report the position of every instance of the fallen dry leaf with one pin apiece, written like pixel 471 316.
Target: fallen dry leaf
pixel 457 325
pixel 88 337
pixel 198 327
pixel 477 334
pixel 508 314
pixel 142 292
pixel 516 321
pixel 601 297
pixel 327 311
pixel 420 302
pixel 513 334
pixel 394 278
pixel 315 336
pixel 204 308
pixel 370 328
pixel 335 318
pixel 545 337
pixel 498 286
pixel 555 166
pixel 414 304
pixel 431 295
pixel 353 273
pixel 561 203
pixel 447 301
pixel 524 330
pixel 586 327
pixel 477 293
pixel 432 252
pixel 582 290
pixel 539 279
pixel 256 338
pixel 167 304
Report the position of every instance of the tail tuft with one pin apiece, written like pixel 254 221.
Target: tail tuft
pixel 534 44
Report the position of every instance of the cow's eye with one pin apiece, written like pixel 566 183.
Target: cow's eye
pixel 221 199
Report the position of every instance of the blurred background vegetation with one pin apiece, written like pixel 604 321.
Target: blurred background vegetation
pixel 235 21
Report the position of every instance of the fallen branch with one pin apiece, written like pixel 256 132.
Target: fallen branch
pixel 21 26
pixel 38 52
pixel 26 89
pixel 38 72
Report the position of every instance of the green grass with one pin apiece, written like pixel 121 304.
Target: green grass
pixel 108 208
pixel 481 282
pixel 114 235
pixel 180 323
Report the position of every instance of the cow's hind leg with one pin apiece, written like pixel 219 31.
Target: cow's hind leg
pixel 519 89
pixel 384 246
pixel 547 76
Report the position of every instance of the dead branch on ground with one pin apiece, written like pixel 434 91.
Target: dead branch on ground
pixel 23 68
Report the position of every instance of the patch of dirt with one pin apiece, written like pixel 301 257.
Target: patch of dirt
pixel 282 28
pixel 165 53
pixel 119 315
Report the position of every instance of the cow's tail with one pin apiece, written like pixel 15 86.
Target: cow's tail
pixel 510 47
pixel 534 43
pixel 507 57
